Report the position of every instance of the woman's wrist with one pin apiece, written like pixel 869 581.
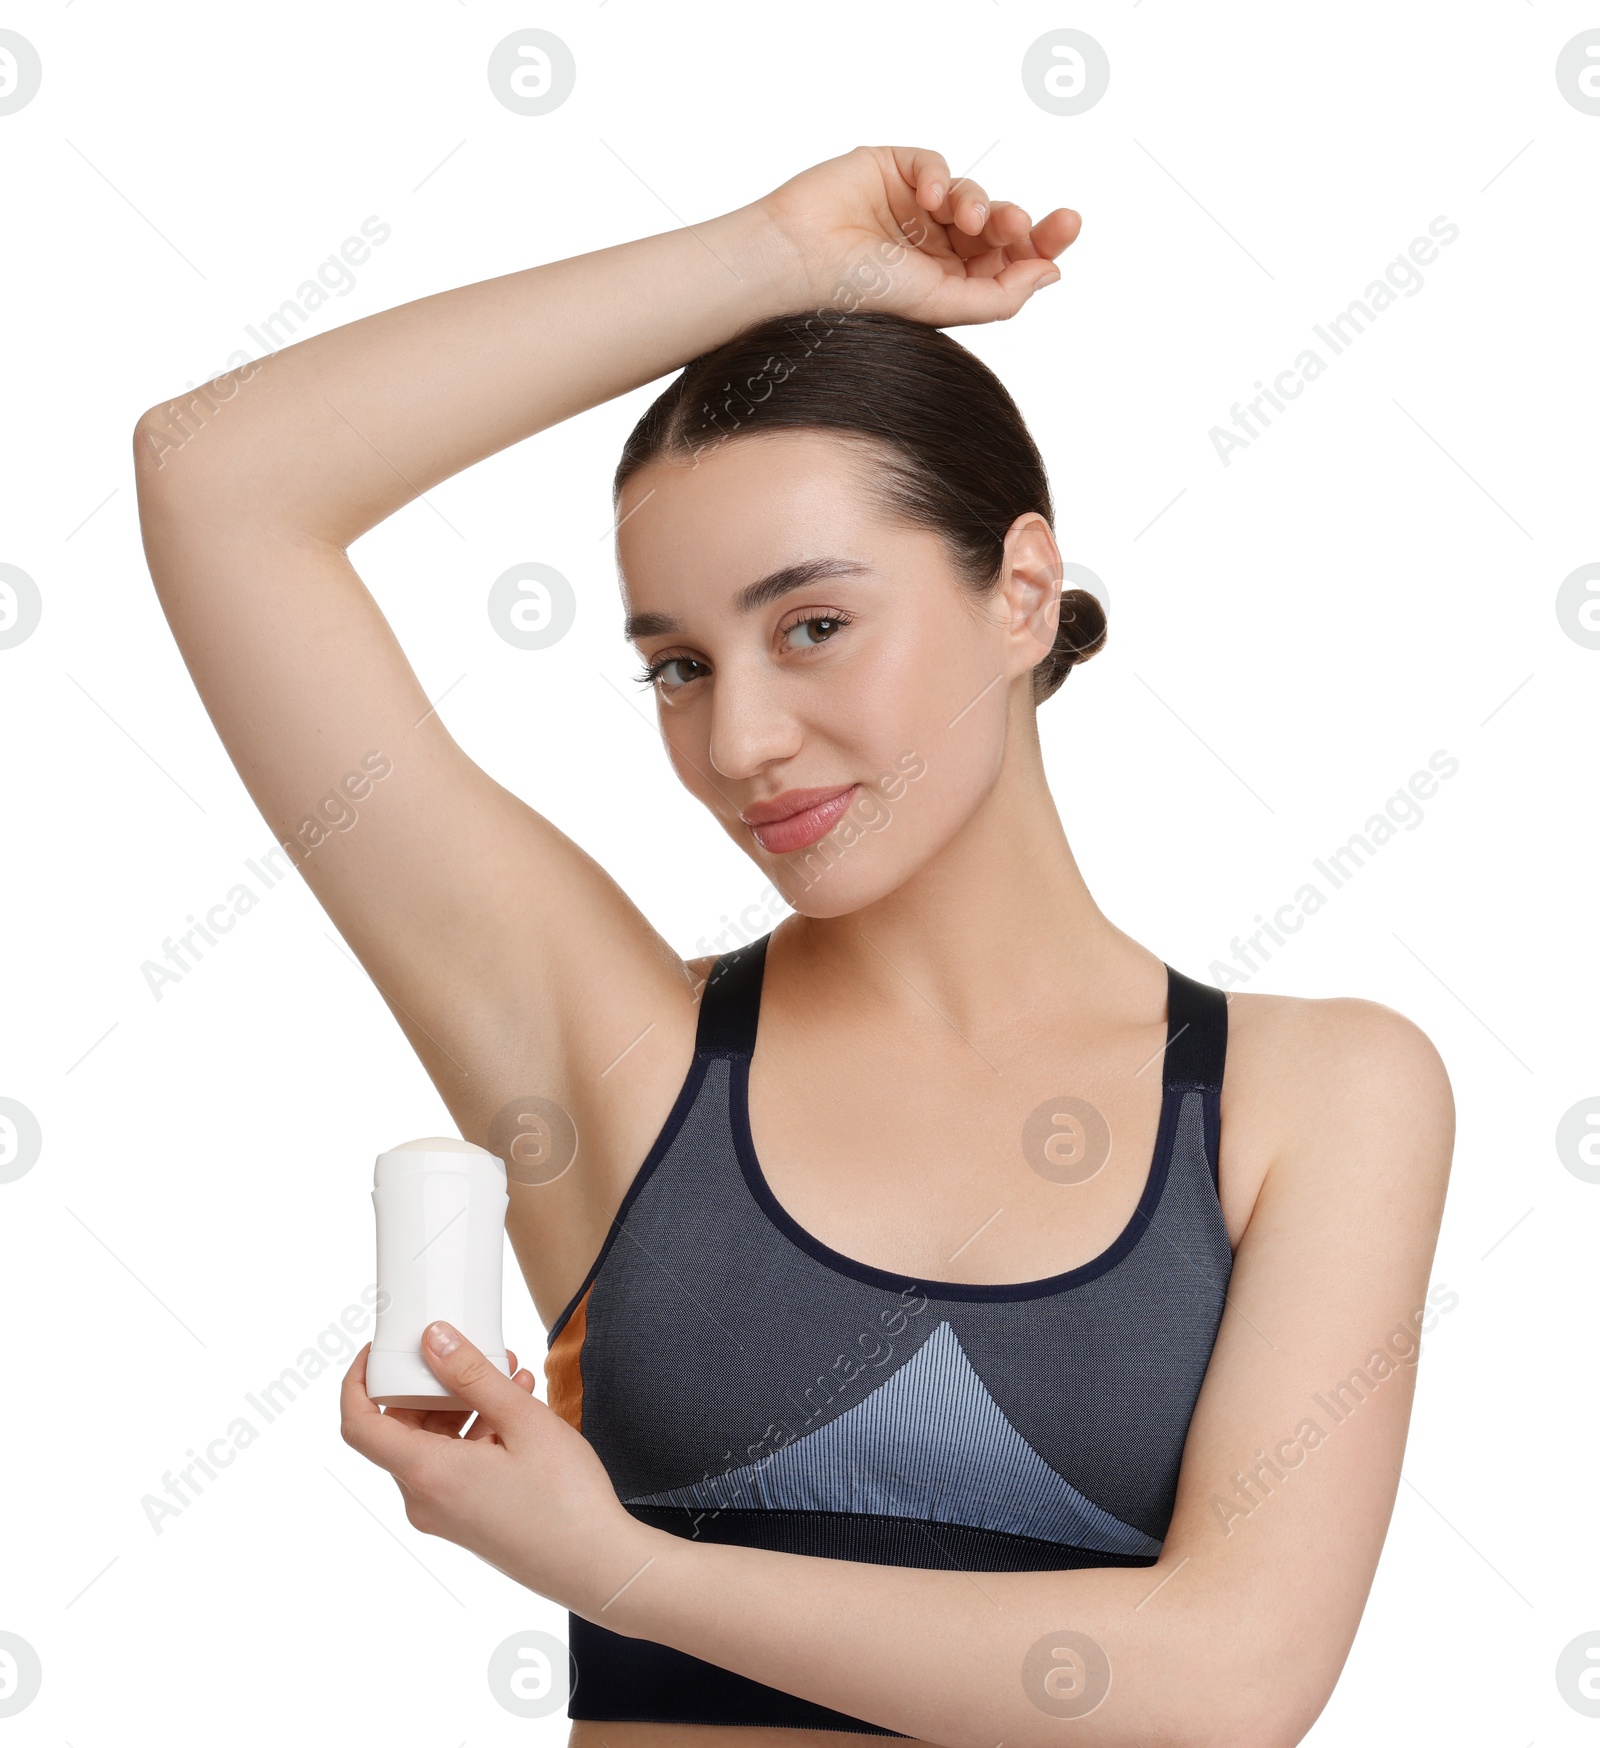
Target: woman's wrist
pixel 764 256
pixel 615 1590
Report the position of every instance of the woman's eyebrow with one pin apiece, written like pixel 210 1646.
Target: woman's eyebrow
pixel 752 595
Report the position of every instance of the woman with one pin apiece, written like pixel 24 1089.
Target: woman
pixel 943 1367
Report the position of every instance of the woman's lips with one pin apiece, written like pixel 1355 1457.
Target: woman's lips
pixel 813 814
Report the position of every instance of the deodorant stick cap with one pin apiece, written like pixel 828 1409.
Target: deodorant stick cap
pixel 414 1156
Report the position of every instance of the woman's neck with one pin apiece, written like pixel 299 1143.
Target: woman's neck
pixel 998 922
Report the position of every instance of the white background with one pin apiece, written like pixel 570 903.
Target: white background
pixel 1292 635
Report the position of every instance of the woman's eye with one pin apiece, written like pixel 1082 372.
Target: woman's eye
pixel 673 673
pixel 663 671
pixel 825 626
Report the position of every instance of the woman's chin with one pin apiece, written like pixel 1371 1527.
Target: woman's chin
pixel 835 892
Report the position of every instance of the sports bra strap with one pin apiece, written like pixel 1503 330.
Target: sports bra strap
pixel 731 1002
pixel 1197 1032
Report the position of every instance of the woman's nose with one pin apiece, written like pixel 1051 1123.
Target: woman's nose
pixel 750 728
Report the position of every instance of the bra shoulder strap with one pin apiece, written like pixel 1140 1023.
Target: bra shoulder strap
pixel 1197 1033
pixel 1197 1051
pixel 731 1001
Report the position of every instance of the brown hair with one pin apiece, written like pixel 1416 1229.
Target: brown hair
pixel 952 452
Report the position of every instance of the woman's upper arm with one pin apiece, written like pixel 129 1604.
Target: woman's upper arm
pixel 1293 1457
pixel 489 932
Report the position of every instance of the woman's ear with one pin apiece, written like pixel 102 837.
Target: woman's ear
pixel 1030 587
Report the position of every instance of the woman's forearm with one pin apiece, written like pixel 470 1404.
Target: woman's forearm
pixel 333 434
pixel 966 1659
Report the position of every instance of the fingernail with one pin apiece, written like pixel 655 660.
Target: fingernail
pixel 1047 278
pixel 982 212
pixel 442 1339
pixel 936 192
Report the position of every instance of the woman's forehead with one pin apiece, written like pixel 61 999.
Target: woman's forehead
pixel 776 467
pixel 742 512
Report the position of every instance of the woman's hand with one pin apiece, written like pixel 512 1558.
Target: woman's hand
pixel 521 1490
pixel 889 228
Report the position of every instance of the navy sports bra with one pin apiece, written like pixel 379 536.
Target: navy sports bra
pixel 743 1382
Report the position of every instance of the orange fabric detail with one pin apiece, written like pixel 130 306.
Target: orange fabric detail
pixel 563 1375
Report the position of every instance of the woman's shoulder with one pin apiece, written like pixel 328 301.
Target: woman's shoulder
pixel 1336 1043
pixel 1335 1084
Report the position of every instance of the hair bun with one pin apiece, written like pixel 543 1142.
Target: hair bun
pixel 1080 633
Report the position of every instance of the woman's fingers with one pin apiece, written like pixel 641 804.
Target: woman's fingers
pixel 1056 231
pixel 448 1422
pixel 1007 237
pixel 1004 244
pixel 366 1428
pixel 1011 229
pixel 975 226
pixel 524 1380
pixel 924 172
pixel 967 205
pixel 466 1370
pixel 974 295
pixel 441 1420
pixel 949 200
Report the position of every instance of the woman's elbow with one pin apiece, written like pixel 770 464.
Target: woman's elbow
pixel 180 440
pixel 1227 1679
pixel 1272 1701
pixel 160 436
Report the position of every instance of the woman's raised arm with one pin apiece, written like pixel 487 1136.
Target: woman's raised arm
pixel 494 938
pixel 510 959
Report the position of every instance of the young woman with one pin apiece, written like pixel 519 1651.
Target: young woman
pixel 962 1350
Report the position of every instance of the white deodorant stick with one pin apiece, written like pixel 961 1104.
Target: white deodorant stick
pixel 441 1206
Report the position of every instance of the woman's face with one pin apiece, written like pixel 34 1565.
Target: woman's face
pixel 802 642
